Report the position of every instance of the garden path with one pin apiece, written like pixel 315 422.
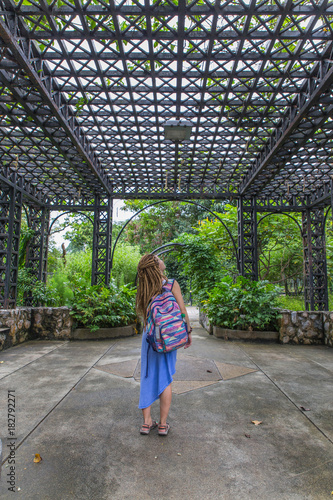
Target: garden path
pixel 80 414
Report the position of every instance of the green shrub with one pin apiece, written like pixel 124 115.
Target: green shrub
pixel 125 263
pixel 293 303
pixel 244 305
pixel 59 283
pixel 199 262
pixel 102 307
pixel 79 264
pixel 296 303
pixel 63 278
pixel 39 291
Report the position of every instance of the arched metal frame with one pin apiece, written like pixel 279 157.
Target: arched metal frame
pixel 165 251
pixel 166 246
pixel 65 213
pixel 327 212
pixel 184 201
pixel 282 213
pixel 291 217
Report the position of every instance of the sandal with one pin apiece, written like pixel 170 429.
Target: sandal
pixel 146 428
pixel 163 429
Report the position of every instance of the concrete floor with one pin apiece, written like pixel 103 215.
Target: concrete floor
pixel 76 405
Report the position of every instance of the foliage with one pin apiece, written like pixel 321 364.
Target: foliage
pixel 174 270
pixel 25 237
pixel 200 263
pixel 64 276
pixel 161 223
pixel 60 284
pixel 293 303
pixel 125 263
pixel 28 285
pixel 244 305
pixel 101 307
pixel 296 303
pixel 329 253
pixel 79 264
pixel 212 231
pixel 155 226
pixel 280 250
pixel 80 230
pixel 54 257
pixel 78 268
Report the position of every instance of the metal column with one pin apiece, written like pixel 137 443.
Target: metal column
pixel 247 238
pixel 38 246
pixel 102 241
pixel 315 270
pixel 10 225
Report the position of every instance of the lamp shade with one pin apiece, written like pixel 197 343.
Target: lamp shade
pixel 177 130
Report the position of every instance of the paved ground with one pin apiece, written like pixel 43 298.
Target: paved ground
pixel 76 405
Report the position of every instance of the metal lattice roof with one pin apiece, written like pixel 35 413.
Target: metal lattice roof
pixel 86 86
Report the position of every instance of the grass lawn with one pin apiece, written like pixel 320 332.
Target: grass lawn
pixel 297 303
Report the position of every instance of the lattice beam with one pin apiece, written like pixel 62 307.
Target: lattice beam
pixel 10 224
pixel 315 269
pixel 278 147
pixel 250 76
pixel 247 238
pixel 102 241
pixel 158 9
pixel 10 178
pixel 49 95
pixel 36 261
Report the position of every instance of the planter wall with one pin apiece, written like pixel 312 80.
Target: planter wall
pixel 253 335
pixel 204 322
pixel 55 323
pixel 104 333
pixel 303 327
pixel 328 328
pixel 15 326
pixel 52 323
pixel 49 323
pixel 295 327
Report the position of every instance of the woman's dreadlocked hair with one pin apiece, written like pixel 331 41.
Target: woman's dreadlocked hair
pixel 150 283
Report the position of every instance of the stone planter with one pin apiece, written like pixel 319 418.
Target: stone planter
pixel 104 333
pixel 328 328
pixel 15 326
pixel 305 327
pixel 227 334
pixel 204 322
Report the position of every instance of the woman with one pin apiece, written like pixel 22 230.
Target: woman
pixel 161 367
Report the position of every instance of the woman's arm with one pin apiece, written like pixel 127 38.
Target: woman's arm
pixel 179 298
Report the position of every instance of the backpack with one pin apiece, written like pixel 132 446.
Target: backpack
pixel 166 326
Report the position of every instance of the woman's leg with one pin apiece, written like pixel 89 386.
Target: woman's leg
pixel 165 402
pixel 147 415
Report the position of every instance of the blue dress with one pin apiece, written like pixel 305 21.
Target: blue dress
pixel 161 368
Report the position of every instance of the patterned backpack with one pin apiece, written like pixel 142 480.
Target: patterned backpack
pixel 166 326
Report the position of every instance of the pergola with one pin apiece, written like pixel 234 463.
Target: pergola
pixel 87 85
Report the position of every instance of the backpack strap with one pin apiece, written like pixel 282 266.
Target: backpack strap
pixel 168 285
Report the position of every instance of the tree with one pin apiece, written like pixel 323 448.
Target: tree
pixel 280 250
pixel 161 223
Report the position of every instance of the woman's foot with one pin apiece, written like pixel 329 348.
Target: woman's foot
pixel 163 429
pixel 146 428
